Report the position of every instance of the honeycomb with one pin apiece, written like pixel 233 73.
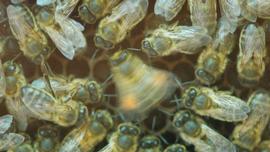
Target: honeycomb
pixel 93 63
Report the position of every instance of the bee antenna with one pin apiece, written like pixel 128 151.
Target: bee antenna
pixel 134 49
pixel 16 57
pixel 104 84
pixel 163 139
pixel 165 111
pixel 154 121
pixel 46 70
pixel 94 54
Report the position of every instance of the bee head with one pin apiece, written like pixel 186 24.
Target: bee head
pixel 102 43
pixel 119 57
pixel 94 90
pixel 147 48
pixel 45 16
pixel 176 148
pixel 181 118
pixel 204 76
pixel 48 136
pixel 104 117
pixel 149 142
pixel 86 15
pixel 11 68
pixel 189 96
pixel 128 133
pixel 156 45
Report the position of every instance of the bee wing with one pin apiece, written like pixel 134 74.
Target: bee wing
pixel 65 7
pixel 10 140
pixel 18 23
pixel 219 142
pixel 229 108
pixel 45 2
pixel 168 8
pixel 109 147
pixel 64 45
pixel 5 123
pixel 2 80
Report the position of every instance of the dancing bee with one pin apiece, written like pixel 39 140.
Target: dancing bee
pixel 32 41
pixel 139 86
pixel 8 140
pixel 252 51
pixel 204 13
pixel 256 8
pixel 92 10
pixel 124 139
pixel 150 143
pixel 194 131
pixel 213 60
pixel 124 17
pixel 167 40
pixel 176 148
pixel 88 135
pixel 47 138
pixel 248 134
pixel 65 32
pixel 168 9
pixel 216 104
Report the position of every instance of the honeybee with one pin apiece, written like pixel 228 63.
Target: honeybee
pixel 216 104
pixel 150 143
pixel 193 130
pixel 204 13
pixel 256 8
pixel 65 32
pixel 8 140
pixel 88 135
pixel 167 40
pixel 90 11
pixel 213 60
pixel 231 10
pixel 252 51
pixel 139 86
pixel 176 148
pixel 42 105
pixel 114 28
pixel 124 139
pixel 264 146
pixel 168 9
pixel 247 134
pixel 32 41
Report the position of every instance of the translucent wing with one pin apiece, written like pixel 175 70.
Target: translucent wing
pixel 168 8
pixel 10 140
pixel 228 107
pixel 110 146
pixel 5 123
pixel 65 7
pixel 2 80
pixel 220 143
pixel 45 2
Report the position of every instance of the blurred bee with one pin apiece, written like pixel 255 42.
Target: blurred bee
pixel 264 146
pixel 65 32
pixel 168 9
pixel 124 139
pixel 247 134
pixel 11 80
pixel 139 86
pixel 194 131
pixel 252 51
pixel 47 139
pixel 150 143
pixel 92 10
pixel 204 13
pixel 255 8
pixel 176 148
pixel 167 40
pixel 26 146
pixel 213 60
pixel 42 105
pixel 216 104
pixel 8 140
pixel 88 135
pixel 124 17
pixel 32 41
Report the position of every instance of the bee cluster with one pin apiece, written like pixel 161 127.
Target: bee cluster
pixel 134 75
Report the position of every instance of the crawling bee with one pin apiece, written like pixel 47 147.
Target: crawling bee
pixel 248 134
pixel 47 138
pixel 252 51
pixel 65 32
pixel 256 8
pixel 42 105
pixel 150 143
pixel 32 41
pixel 264 146
pixel 216 104
pixel 176 148
pixel 167 40
pixel 204 13
pixel 193 130
pixel 168 9
pixel 90 11
pixel 88 135
pixel 213 60
pixel 8 140
pixel 139 86
pixel 124 139
pixel 124 17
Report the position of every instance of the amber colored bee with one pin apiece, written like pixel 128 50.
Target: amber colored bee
pixel 124 17
pixel 150 143
pixel 204 13
pixel 194 131
pixel 92 10
pixel 176 148
pixel 252 51
pixel 248 134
